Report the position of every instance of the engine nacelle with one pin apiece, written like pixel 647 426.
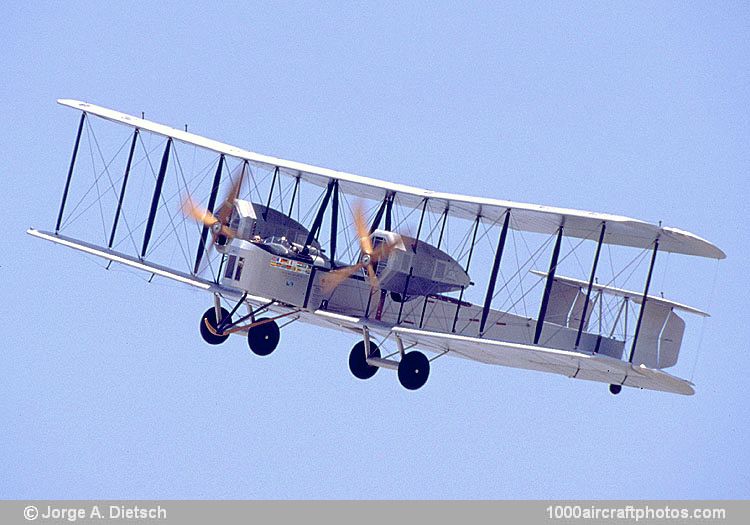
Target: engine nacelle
pixel 250 224
pixel 432 270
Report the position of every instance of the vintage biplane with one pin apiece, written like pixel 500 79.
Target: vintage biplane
pixel 388 263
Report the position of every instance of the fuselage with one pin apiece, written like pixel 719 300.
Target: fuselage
pixel 262 270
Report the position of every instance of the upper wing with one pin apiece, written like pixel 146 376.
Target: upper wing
pixel 525 217
pixel 572 364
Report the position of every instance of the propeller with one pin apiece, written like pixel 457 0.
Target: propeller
pixel 370 256
pixel 218 223
pixel 194 210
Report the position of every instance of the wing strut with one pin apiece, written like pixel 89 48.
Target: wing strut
pixel 334 223
pixel 411 267
pixel 122 188
pixel 440 241
pixel 591 283
pixel 319 217
pixel 294 195
pixel 495 269
pixel 468 264
pixel 389 212
pixel 70 171
pixel 643 300
pixel 211 204
pixel 548 286
pixel 386 204
pixel 157 194
pixel 270 193
pixel 379 215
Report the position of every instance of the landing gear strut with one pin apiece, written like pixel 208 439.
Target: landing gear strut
pixel 364 361
pixel 262 333
pixel 210 318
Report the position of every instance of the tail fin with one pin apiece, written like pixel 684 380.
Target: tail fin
pixel 660 337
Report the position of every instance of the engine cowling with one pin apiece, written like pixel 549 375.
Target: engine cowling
pixel 432 270
pixel 255 222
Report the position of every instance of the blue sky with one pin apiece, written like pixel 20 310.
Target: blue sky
pixel 636 109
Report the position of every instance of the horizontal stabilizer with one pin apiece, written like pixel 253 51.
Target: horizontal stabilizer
pixel 631 295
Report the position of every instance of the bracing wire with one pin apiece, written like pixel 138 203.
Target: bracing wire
pixel 703 320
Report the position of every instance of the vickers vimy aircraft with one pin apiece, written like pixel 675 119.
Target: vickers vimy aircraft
pixel 387 263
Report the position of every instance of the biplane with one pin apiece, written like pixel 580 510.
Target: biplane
pixel 389 264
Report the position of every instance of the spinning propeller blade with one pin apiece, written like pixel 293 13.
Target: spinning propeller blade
pixel 363 232
pixel 336 277
pixel 219 223
pixel 225 210
pixel 369 257
pixel 201 214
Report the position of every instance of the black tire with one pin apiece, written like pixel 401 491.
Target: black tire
pixel 210 316
pixel 264 338
pixel 358 363
pixel 615 389
pixel 413 370
pixel 396 297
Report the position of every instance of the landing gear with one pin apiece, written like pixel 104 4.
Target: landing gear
pixel 210 318
pixel 262 333
pixel 615 389
pixel 264 337
pixel 413 370
pixel 358 362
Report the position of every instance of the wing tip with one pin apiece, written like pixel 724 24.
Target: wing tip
pixel 702 247
pixel 71 102
pixel 714 251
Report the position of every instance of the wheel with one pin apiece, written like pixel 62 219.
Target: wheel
pixel 210 316
pixel 396 297
pixel 615 389
pixel 357 363
pixel 413 370
pixel 264 338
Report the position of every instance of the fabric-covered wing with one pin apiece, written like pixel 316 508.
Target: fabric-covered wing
pixel 155 269
pixel 572 364
pixel 580 224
